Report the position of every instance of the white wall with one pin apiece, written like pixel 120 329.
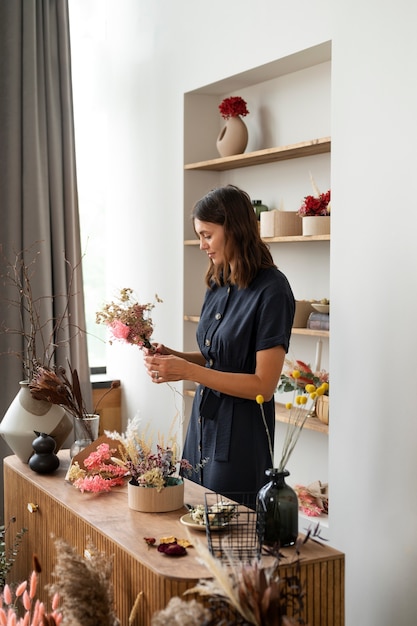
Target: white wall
pixel 157 51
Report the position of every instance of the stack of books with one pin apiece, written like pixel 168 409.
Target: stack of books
pixel 318 321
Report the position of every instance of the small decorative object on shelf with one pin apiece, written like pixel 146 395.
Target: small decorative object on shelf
pixel 314 499
pixel 44 460
pixel 318 321
pixel 280 224
pixel 259 208
pixel 322 409
pixel 315 212
pixel 233 137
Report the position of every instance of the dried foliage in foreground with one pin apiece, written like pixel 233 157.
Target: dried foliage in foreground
pixel 84 586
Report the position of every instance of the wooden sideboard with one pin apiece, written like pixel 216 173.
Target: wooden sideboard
pixel 64 512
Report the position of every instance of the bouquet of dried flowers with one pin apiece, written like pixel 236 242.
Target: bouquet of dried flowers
pixel 147 465
pixel 99 473
pixel 304 399
pixel 306 377
pixel 133 456
pixel 53 385
pixel 313 499
pixel 317 204
pixel 233 107
pixel 128 320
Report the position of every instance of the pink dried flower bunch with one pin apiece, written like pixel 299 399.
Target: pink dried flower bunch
pixel 307 503
pixel 128 320
pixel 23 600
pixel 100 473
pixel 233 107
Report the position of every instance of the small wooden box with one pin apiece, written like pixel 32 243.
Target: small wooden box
pixel 280 224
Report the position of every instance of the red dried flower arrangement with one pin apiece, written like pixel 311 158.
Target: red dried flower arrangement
pixel 233 107
pixel 312 205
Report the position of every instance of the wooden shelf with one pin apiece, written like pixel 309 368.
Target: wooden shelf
pixel 260 157
pixel 281 415
pixel 310 332
pixel 295 331
pixel 292 239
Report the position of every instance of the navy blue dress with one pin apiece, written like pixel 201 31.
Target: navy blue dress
pixel 226 431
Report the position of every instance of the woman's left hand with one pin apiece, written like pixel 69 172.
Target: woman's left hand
pixel 164 368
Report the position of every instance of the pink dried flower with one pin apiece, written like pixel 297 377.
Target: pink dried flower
pixel 21 588
pixel 119 330
pixel 128 320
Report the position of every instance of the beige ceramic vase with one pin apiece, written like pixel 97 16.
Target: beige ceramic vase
pixel 233 137
pixel 150 500
pixel 26 416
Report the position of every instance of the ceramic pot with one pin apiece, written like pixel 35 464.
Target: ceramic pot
pixel 85 432
pixel 316 225
pixel 233 137
pixel 26 416
pixel 277 511
pixel 150 500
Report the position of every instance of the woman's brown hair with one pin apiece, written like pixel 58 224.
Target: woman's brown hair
pixel 232 208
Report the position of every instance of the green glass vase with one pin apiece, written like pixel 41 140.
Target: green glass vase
pixel 277 511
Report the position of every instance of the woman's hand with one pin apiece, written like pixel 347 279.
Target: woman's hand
pixel 164 368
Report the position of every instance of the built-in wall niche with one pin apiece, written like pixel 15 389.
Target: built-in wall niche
pixel 289 140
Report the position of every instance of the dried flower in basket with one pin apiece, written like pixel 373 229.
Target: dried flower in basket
pixel 128 320
pixel 233 107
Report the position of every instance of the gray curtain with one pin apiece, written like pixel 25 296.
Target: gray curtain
pixel 38 185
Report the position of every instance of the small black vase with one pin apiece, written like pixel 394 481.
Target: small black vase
pixel 44 460
pixel 277 511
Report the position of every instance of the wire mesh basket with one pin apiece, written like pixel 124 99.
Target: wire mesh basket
pixel 232 529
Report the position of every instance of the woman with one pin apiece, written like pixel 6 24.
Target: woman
pixel 243 336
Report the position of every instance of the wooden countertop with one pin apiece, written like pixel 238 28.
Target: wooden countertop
pixel 109 514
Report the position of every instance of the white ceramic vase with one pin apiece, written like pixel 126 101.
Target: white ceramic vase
pixel 316 225
pixel 26 416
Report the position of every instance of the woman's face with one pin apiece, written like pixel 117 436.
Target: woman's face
pixel 212 240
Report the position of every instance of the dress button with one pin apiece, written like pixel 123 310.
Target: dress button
pixel 207 342
pixel 211 362
pixel 201 392
pixel 218 316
